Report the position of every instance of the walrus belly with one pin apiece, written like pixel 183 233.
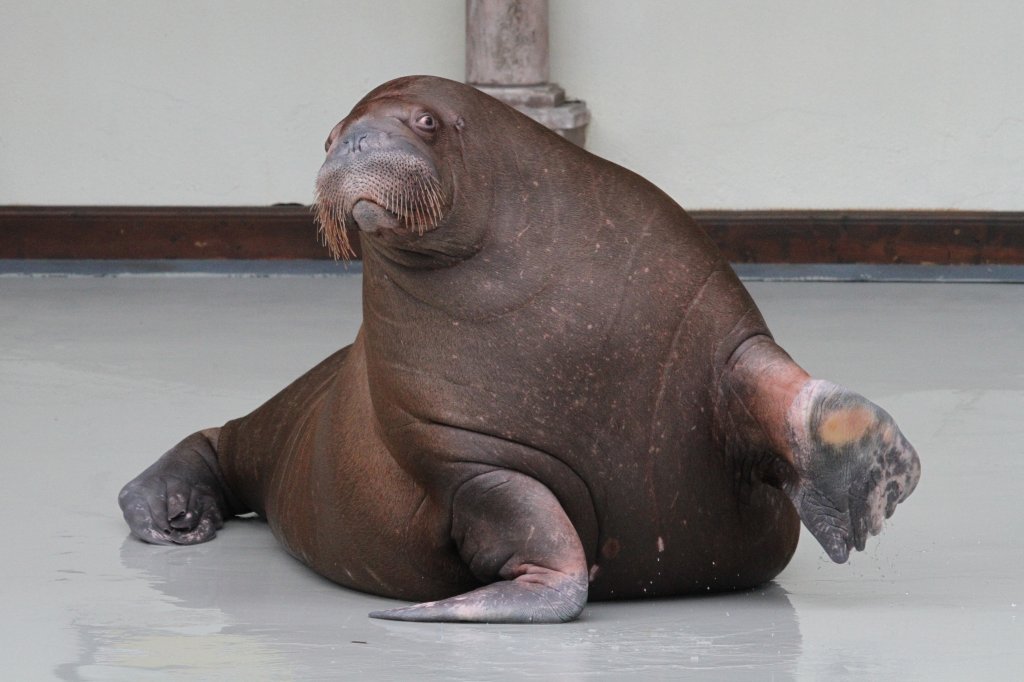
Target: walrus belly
pixel 709 543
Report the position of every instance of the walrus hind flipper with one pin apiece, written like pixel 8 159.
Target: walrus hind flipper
pixel 509 528
pixel 179 500
pixel 853 465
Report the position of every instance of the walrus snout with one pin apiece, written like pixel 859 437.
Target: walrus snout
pixel 366 137
pixel 376 178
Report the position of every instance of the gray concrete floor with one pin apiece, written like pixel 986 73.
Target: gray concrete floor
pixel 98 376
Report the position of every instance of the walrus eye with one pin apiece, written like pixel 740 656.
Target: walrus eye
pixel 426 123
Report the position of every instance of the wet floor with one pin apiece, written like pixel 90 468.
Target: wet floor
pixel 99 375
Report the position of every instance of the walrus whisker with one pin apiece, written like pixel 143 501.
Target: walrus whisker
pixel 438 204
pixel 331 223
pixel 430 201
pixel 421 218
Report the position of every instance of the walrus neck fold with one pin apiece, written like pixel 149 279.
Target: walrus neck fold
pixel 497 247
pixel 494 254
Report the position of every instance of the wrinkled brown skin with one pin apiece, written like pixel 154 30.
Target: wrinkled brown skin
pixel 559 390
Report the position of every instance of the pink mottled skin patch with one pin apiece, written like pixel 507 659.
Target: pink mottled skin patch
pixel 846 426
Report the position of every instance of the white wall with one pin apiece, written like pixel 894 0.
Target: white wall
pixel 724 103
pixel 202 102
pixel 805 103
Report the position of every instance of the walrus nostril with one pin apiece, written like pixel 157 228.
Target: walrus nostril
pixel 356 142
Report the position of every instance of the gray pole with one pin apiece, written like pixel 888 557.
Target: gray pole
pixel 507 57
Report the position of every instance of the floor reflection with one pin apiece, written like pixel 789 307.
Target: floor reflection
pixel 261 611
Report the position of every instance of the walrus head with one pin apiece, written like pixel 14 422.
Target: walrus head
pixel 382 174
pixel 434 173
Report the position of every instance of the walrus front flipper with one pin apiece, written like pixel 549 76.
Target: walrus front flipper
pixel 511 529
pixel 853 466
pixel 180 499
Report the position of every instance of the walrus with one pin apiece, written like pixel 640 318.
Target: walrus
pixel 560 391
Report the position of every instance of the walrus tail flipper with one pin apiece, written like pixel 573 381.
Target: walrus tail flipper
pixel 853 466
pixel 180 499
pixel 511 529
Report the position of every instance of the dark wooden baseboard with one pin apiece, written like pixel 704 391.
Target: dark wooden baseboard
pixel 862 236
pixel 288 232
pixel 165 232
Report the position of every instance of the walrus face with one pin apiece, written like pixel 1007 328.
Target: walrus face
pixel 380 175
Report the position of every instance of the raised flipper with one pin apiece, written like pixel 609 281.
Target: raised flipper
pixel 853 466
pixel 180 499
pixel 513 534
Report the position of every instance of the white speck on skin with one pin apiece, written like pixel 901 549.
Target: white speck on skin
pixel 661 544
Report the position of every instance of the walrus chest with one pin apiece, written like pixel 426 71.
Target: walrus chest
pixel 562 380
pixel 624 407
